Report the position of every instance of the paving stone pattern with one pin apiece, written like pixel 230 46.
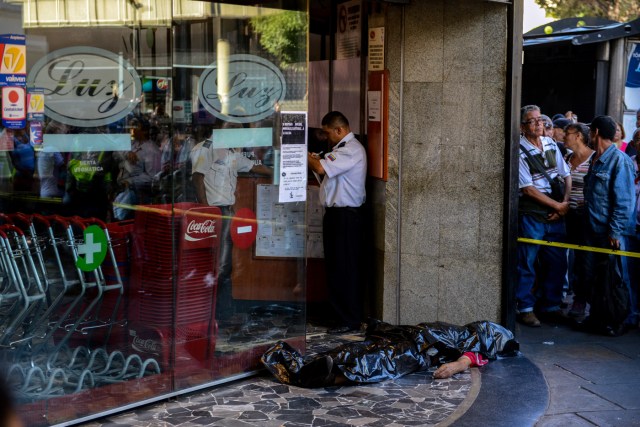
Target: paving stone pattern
pixel 593 380
pixel 414 400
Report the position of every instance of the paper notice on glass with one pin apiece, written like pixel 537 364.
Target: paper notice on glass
pixel 293 157
pixel 373 97
pixel 281 226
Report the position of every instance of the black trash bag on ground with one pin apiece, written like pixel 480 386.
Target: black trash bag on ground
pixel 284 362
pixel 377 360
pixel 451 341
pixel 487 338
pixel 493 341
pixel 389 352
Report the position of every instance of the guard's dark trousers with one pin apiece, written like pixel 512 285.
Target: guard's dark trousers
pixel 342 239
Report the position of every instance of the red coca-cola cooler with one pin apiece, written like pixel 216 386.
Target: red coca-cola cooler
pixel 174 241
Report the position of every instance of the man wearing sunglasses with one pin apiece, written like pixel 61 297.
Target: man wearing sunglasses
pixel 540 217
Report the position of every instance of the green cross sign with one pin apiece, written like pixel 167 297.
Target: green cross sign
pixel 94 249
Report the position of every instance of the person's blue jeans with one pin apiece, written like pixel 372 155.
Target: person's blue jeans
pixel 576 234
pixel 544 267
pixel 633 269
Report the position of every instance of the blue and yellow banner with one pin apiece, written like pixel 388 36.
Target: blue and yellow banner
pixel 13 60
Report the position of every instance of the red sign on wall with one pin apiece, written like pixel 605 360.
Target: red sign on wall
pixel 244 228
pixel 14 107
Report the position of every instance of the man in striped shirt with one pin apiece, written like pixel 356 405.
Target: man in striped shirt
pixel 540 217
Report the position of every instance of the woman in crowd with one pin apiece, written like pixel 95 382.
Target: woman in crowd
pixel 577 140
pixel 618 139
pixel 634 144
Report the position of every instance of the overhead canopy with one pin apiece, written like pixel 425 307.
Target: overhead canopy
pixel 580 31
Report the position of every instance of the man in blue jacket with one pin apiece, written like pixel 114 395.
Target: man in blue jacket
pixel 609 193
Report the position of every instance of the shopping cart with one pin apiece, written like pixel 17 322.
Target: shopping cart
pixel 21 271
pixel 46 300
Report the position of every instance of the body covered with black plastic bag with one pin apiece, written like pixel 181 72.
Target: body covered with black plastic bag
pixel 390 352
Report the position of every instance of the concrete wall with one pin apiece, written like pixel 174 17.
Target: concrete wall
pixel 450 155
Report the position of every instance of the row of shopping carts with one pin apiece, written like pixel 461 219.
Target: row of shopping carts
pixel 56 320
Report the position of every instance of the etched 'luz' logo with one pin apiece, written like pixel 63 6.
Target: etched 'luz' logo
pixel 86 86
pixel 254 84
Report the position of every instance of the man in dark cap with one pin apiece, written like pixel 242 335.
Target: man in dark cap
pixel 558 133
pixel 609 194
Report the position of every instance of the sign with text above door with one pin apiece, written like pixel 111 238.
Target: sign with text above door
pixel 86 86
pixel 242 88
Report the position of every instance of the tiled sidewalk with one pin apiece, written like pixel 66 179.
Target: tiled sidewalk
pixel 592 379
pixel 414 400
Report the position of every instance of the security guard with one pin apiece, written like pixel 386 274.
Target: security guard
pixel 342 172
pixel 215 176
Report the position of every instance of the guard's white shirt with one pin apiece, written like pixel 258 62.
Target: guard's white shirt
pixel 345 170
pixel 220 167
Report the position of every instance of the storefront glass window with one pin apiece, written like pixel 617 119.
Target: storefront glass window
pixel 145 247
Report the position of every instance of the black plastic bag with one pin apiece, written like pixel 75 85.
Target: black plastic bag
pixel 377 360
pixel 487 338
pixel 389 352
pixel 284 362
pixel 610 298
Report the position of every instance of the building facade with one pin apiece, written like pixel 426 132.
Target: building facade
pixel 157 234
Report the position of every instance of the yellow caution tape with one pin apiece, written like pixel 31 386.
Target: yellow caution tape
pixel 177 211
pixel 13 196
pixel 578 247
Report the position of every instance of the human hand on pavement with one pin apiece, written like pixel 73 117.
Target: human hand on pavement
pixel 449 369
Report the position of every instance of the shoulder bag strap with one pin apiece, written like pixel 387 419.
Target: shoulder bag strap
pixel 536 163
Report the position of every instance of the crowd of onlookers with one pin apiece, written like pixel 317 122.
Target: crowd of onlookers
pixel 579 184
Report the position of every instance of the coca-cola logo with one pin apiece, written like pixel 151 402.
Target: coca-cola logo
pixel 254 86
pixel 146 345
pixel 86 86
pixel 200 229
